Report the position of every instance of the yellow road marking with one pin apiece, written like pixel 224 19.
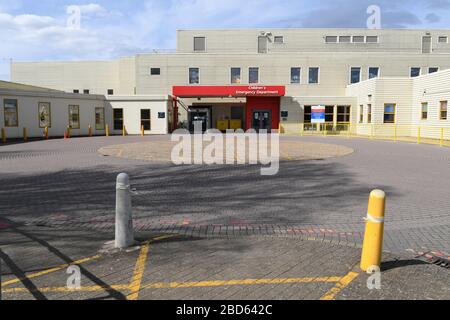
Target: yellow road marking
pixel 342 283
pixel 135 284
pixel 48 271
pixel 175 285
pixel 220 283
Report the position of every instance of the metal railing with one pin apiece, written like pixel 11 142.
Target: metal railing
pixel 426 134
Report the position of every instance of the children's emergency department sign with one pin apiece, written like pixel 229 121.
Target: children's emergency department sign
pixel 318 114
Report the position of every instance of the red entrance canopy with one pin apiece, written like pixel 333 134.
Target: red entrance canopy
pixel 229 91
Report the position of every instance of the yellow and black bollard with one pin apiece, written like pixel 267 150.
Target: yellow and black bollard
pixel 373 238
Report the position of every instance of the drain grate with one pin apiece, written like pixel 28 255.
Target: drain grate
pixel 432 259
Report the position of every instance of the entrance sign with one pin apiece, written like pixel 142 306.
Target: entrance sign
pixel 318 114
pixel 229 91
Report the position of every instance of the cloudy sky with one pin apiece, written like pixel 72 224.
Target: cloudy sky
pixel 38 30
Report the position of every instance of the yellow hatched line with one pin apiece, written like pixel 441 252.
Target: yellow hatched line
pixel 48 271
pixel 340 285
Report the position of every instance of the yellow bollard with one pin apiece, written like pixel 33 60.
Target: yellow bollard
pixel 46 133
pixel 3 135
pixel 68 132
pixel 107 130
pixel 142 131
pixel 373 238
pixel 25 135
pixel 124 131
pixel 418 136
pixel 90 131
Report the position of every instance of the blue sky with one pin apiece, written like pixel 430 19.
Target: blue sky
pixel 37 30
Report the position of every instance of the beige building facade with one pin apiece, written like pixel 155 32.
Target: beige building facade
pixel 346 70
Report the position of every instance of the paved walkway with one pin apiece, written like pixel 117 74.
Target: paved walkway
pixel 169 266
pixel 67 186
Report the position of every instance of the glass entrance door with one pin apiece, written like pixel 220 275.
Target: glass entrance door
pixel 199 115
pixel 262 119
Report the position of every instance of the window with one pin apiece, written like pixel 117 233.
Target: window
pixel 345 39
pixel 155 71
pixel 307 114
pixel 374 72
pixel 426 44
pixel 295 75
pixel 372 39
pixel 262 44
pixel 329 114
pixel 433 69
pixel 199 44
pixel 99 118
pixel 369 113
pixel 389 113
pixel 355 75
pixel 11 113
pixel 331 39
pixel 194 75
pixel 424 111
pixel 86 91
pixel 74 117
pixel 236 75
pixel 110 92
pixel 361 114
pixel 358 39
pixel 145 119
pixel 253 75
pixel 44 113
pixel 443 39
pixel 118 119
pixel 313 76
pixel 76 91
pixel 415 72
pixel 278 39
pixel 444 109
pixel 343 115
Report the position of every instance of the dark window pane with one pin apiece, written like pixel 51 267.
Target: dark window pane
pixel 313 75
pixel 415 72
pixel 155 71
pixel 295 75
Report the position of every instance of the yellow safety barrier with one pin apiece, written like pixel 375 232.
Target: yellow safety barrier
pixel 107 130
pixel 373 237
pixel 3 135
pixel 90 131
pixel 422 134
pixel 25 134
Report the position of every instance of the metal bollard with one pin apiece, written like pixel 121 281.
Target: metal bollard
pixel 373 237
pixel 3 135
pixel 124 219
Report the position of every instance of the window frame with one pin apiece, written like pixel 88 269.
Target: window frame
pixel 299 76
pixel 363 39
pixel 443 37
pixel 318 75
pixel 110 92
pixel 193 44
pixel 377 37
pixel 16 125
pixel 350 39
pixel 390 113
pixel 155 74
pixel 347 114
pixel 410 72
pixel 258 78
pixel 441 110
pixel 337 39
pixel 70 118
pixel 275 37
pixel 149 120
pixel 231 75
pixel 118 119
pixel 86 91
pixel 361 114
pixel 189 75
pixel 104 120
pixel 429 69
pixel 369 113
pixel 422 117
pixel 49 114
pixel 360 74
pixel 378 74
pixel 307 113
